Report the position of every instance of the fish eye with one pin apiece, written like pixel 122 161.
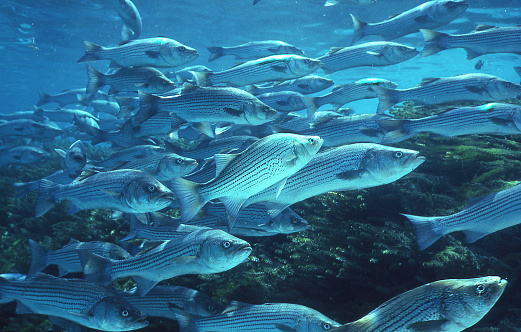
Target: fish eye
pixel 182 48
pixel 227 244
pixel 311 140
pixel 151 188
pixel 295 220
pixel 398 154
pixel 210 307
pixel 180 161
pixel 124 313
pixel 480 288
pixel 326 326
pixel 308 61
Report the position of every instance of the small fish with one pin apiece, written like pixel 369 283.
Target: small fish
pixel 76 300
pixel 485 39
pixel 445 305
pixel 122 190
pixel 129 14
pixel 305 85
pixel 254 50
pixel 75 158
pixel 22 155
pixel 479 64
pixel 204 251
pixel 289 101
pixel 186 75
pixel 121 157
pixel 134 79
pixel 372 54
pixel 30 129
pixel 209 148
pixel 64 114
pixel 272 68
pixel 106 106
pixel 268 317
pixel 154 52
pixel 64 98
pixel 429 15
pixel 62 176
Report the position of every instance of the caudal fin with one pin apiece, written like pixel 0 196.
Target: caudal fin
pixel 386 98
pixel 202 78
pixel 215 52
pixel 190 200
pixel 95 79
pixel 396 136
pixel 44 98
pixel 46 200
pixel 425 233
pixel 24 188
pixel 91 51
pixel 432 42
pixel 311 106
pixel 95 268
pixel 358 29
pixel 38 258
pixel 135 225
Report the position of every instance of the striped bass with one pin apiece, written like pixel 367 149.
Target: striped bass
pixel 348 167
pixel 489 119
pixel 372 54
pixel 123 156
pixel 163 166
pixel 204 251
pixel 271 68
pixel 429 15
pixel 22 155
pixel 450 305
pixel 154 52
pixel 76 300
pixel 484 39
pixel 266 162
pixel 482 216
pixel 289 101
pixel 209 148
pixel 253 50
pixel 472 87
pixel 305 85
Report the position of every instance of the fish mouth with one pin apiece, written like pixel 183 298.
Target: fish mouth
pixel 243 247
pixel 141 321
pixel 168 195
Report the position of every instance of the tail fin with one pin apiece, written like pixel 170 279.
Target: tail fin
pixel 396 136
pixel 215 52
pixel 386 98
pixel 126 106
pixel 44 98
pixel 311 106
pixel 147 107
pixel 425 233
pixel 184 318
pixel 38 258
pixel 98 136
pixel 95 268
pixel 432 42
pixel 358 29
pixel 46 200
pixel 253 89
pixel 135 225
pixel 90 52
pixel 24 188
pixel 202 78
pixel 95 79
pixel 190 200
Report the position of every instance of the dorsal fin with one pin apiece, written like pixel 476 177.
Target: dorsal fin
pixel 73 241
pixel 334 50
pixel 222 160
pixel 428 80
pixel 483 27
pixel 187 88
pixel 235 305
pixel 85 174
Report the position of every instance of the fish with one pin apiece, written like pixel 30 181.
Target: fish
pixel 289 101
pixel 348 167
pixel 270 160
pixel 161 123
pixel 22 155
pixel 134 79
pixel 121 157
pixel 268 317
pixel 429 15
pixel 163 166
pixel 472 87
pixel 489 119
pixel 329 3
pixel 67 258
pixel 122 190
pixel 76 300
pixel 479 64
pixel 253 50
pixel 117 138
pixel 62 176
pixel 346 93
pixel 186 75
pixel 482 216
pixel 485 39
pixel 374 54
pixel 64 114
pixel 204 251
pixel 305 85
pixel 107 106
pixel 129 14
pixel 208 148
pixel 272 68
pixel 64 98
pixel 75 158
pixel 444 305
pixel 160 300
pixel 156 52
pixel 30 129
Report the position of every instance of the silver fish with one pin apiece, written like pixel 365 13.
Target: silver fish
pixel 76 300
pixel 63 176
pixel 155 52
pixel 136 152
pixel 349 2
pixel 22 155
pixel 268 317
pixel 289 101
pixel 374 54
pixel 64 98
pixel 209 148
pixel 29 129
pixel 272 68
pixel 450 305
pixel 433 91
pixel 429 15
pixel 482 216
pixel 348 167
pixel 128 12
pixel 201 252
pixel 484 39
pixel 64 114
pixel 306 85
pixel 253 50
pixel 122 190
pixel 75 158
pixel 270 160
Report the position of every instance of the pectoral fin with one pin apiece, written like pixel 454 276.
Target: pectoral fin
pixel 279 68
pixel 152 54
pixel 475 89
pixel 428 326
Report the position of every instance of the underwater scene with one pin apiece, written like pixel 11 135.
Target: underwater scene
pixel 260 165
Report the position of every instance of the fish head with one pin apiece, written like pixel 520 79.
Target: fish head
pixel 444 11
pixel 306 147
pixel 146 194
pixel 173 165
pixel 317 322
pixel 175 53
pixel 29 155
pixel 466 301
pixel 399 52
pixel 221 251
pixel 302 66
pixel 289 222
pixel 285 48
pixel 256 112
pixel 76 156
pixel 159 84
pixel 387 164
pixel 320 83
pixel 370 82
pixel 500 89
pixel 201 305
pixel 113 313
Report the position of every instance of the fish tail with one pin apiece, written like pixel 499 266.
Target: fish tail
pixel 98 136
pixel 256 2
pixel 311 106
pixel 148 107
pixel 202 78
pixel 135 225
pixel 386 98
pixel 38 258
pixel 43 98
pixel 432 42
pixel 215 52
pixel 95 79
pixel 91 51
pixel 191 202
pixel 396 136
pixel 518 70
pixel 24 188
pixel 96 268
pixel 85 100
pixel 358 29
pixel 46 199
pixel 252 88
pixel 425 233
pixel 184 319
pixel 125 106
